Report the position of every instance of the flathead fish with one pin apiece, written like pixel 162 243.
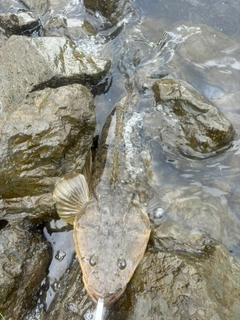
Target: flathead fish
pixel 108 210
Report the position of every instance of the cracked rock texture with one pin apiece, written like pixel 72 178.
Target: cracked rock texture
pixel 47 135
pixel 25 256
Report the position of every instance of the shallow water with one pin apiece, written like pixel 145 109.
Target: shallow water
pixel 204 50
pixel 221 15
pixel 63 253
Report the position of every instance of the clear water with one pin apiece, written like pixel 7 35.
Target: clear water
pixel 62 256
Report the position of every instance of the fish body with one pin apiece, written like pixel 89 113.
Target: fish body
pixel 111 226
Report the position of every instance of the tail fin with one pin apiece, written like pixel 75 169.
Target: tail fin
pixel 70 194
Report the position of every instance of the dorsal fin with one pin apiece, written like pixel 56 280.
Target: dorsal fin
pixel 70 194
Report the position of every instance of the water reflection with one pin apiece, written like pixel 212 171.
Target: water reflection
pixel 221 15
pixel 62 253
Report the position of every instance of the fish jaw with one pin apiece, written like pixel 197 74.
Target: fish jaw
pixel 108 299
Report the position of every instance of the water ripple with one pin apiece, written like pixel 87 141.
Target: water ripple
pixel 226 18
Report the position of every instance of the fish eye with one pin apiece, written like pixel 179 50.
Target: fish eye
pixel 93 260
pixel 121 263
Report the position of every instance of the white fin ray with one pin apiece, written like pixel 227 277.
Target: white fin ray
pixel 70 194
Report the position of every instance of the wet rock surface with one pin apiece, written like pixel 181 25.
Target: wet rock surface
pixel 19 23
pixel 25 256
pixel 53 137
pixel 173 236
pixel 71 299
pixel 34 208
pixel 189 122
pixel 36 63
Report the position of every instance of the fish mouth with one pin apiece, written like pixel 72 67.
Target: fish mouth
pixel 108 299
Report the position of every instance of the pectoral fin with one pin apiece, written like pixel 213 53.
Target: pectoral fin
pixel 70 194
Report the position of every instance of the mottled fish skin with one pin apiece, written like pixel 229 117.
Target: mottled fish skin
pixel 112 231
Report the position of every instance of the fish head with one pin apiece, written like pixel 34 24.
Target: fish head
pixel 109 246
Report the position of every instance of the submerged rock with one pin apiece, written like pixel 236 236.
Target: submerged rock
pixel 209 60
pixel 205 210
pixel 23 264
pixel 196 53
pixel 49 134
pixel 111 10
pixel 189 122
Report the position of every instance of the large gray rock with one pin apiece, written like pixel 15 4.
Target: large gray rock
pixel 188 122
pixel 49 134
pixel 30 64
pixel 23 265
